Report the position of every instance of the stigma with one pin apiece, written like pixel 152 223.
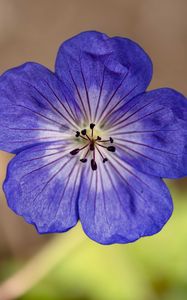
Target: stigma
pixel 92 144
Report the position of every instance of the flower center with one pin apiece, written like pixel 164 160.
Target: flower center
pixel 93 144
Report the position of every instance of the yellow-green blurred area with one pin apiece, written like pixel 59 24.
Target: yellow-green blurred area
pixel 70 266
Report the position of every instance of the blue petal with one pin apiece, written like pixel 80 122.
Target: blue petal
pixel 118 204
pixel 150 133
pixel 42 185
pixel 35 107
pixel 102 72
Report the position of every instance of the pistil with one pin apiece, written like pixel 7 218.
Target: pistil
pixel 77 150
pixel 93 165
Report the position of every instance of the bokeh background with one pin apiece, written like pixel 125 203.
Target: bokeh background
pixel 150 269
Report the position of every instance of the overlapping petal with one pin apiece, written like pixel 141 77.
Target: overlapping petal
pixel 35 107
pixel 150 133
pixel 102 72
pixel 42 185
pixel 119 204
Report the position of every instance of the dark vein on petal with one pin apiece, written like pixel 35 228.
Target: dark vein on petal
pixel 111 111
pixel 78 93
pixel 46 165
pixel 100 93
pixel 141 154
pixel 118 161
pixel 86 90
pixel 125 104
pixel 54 148
pixel 113 94
pixel 54 175
pixel 35 188
pixel 39 114
pixel 147 115
pixel 37 139
pixel 114 187
pixel 74 113
pixel 144 131
pixel 104 198
pixel 138 110
pixel 73 191
pixel 32 129
pixel 95 197
pixel 130 186
pixel 64 189
pixel 53 107
pixel 43 156
pixel 99 151
pixel 61 103
pixel 145 145
pixel 89 189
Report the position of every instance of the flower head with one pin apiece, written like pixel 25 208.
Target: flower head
pixel 91 144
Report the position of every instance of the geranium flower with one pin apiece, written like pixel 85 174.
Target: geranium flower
pixel 91 144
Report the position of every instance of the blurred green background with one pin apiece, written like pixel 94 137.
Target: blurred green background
pixel 150 269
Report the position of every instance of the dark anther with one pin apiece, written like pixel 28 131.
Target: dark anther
pixel 83 160
pixel 77 134
pixel 74 152
pixel 98 138
pixel 92 146
pixel 105 159
pixel 111 140
pixel 83 132
pixel 93 165
pixel 111 148
pixel 92 126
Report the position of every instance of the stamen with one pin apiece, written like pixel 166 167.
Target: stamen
pixel 84 133
pixel 111 140
pixel 83 137
pixel 104 158
pixel 93 145
pixel 92 125
pixel 93 165
pixel 74 152
pixel 111 148
pixel 83 160
pixel 77 134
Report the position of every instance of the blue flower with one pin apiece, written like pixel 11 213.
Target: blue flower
pixel 91 144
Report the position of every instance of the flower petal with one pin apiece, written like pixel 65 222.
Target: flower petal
pixel 42 185
pixel 117 204
pixel 150 133
pixel 35 107
pixel 102 72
